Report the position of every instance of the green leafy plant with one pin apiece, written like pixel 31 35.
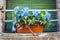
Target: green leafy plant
pixel 34 18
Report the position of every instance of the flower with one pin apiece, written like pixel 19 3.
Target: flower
pixel 16 11
pixel 16 8
pixel 47 16
pixel 17 16
pixel 24 12
pixel 35 13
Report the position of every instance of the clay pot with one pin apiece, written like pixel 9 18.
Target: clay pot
pixel 34 29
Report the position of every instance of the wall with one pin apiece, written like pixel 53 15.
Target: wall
pixel 18 36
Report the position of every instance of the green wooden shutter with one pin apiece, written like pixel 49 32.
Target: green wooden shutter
pixel 34 4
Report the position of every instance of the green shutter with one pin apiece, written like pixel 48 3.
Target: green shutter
pixel 34 4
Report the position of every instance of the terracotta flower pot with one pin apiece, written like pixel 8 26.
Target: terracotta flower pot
pixel 34 29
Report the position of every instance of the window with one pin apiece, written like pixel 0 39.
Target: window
pixel 32 4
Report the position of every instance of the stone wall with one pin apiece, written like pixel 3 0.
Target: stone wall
pixel 58 12
pixel 19 36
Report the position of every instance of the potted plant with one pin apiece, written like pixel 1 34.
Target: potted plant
pixel 31 22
